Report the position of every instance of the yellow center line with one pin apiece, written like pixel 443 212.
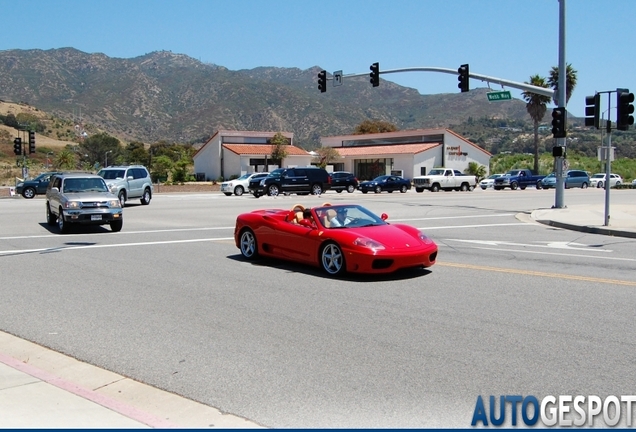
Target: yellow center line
pixel 537 273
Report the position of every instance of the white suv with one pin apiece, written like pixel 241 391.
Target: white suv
pixel 128 182
pixel 240 185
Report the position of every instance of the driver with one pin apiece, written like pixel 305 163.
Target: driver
pixel 340 219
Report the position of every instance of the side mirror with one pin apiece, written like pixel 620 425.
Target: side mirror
pixel 384 216
pixel 55 189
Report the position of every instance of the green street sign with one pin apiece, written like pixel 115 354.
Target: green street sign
pixel 498 96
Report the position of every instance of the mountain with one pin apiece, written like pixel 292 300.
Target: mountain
pixel 173 97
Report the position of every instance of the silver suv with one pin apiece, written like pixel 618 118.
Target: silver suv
pixel 129 182
pixel 80 198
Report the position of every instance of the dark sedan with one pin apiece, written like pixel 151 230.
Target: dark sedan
pixel 385 183
pixel 33 187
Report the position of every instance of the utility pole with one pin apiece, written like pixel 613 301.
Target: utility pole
pixel 561 102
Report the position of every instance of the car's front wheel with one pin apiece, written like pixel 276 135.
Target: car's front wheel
pixel 122 198
pixel 238 191
pixel 248 245
pixel 145 198
pixel 403 189
pixel 116 226
pixel 62 225
pixel 50 217
pixel 273 190
pixel 332 259
pixel 28 193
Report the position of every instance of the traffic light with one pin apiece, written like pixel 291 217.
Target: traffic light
pixel 593 110
pixel 31 142
pixel 558 123
pixel 463 78
pixel 322 81
pixel 375 74
pixel 624 109
pixel 17 146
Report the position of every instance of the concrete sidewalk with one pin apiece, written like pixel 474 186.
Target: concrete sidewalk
pixel 591 219
pixel 40 388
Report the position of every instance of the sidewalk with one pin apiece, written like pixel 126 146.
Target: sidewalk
pixel 591 219
pixel 40 388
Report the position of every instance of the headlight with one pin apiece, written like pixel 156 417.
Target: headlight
pixel 73 205
pixel 368 243
pixel 114 203
pixel 262 183
pixel 425 238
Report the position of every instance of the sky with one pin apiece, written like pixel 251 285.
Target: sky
pixel 507 39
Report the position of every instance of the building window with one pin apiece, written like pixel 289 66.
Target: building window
pixel 368 169
pixel 422 170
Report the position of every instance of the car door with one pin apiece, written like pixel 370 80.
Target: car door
pixel 43 183
pixel 301 180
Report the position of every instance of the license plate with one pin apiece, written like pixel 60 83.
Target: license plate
pixel 96 217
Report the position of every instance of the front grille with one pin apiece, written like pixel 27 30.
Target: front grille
pixel 381 263
pixel 94 204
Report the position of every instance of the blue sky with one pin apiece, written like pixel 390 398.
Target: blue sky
pixel 509 39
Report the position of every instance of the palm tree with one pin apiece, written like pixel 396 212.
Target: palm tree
pixel 536 106
pixel 570 82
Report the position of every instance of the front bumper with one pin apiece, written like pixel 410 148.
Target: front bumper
pixel 93 216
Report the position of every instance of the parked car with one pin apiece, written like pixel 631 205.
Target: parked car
pixel 37 186
pixel 81 198
pixel 598 180
pixel 489 182
pixel 367 244
pixel 634 183
pixel 445 179
pixel 573 178
pixel 300 180
pixel 518 179
pixel 239 185
pixel 385 183
pixel 128 182
pixel 343 180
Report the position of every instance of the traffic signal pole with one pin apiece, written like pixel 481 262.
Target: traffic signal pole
pixel 562 93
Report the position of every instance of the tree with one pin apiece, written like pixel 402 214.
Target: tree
pixel 279 152
pixel 325 156
pixel 536 105
pixel 570 82
pixel 136 153
pixel 374 126
pixel 479 171
pixel 94 148
pixel 65 160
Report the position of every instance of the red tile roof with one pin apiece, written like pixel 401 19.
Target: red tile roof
pixel 385 149
pixel 262 149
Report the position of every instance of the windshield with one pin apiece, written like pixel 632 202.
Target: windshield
pixel 244 177
pixel 494 176
pixel 74 185
pixel 550 175
pixel 347 216
pixel 277 172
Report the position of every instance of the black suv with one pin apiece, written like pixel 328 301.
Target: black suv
pixel 303 180
pixel 343 180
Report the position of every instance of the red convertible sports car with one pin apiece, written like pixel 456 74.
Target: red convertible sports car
pixel 337 238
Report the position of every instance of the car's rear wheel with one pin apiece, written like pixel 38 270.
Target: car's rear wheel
pixel 62 225
pixel 122 198
pixel 50 217
pixel 273 190
pixel 350 188
pixel 599 184
pixel 463 187
pixel 248 244
pixel 28 193
pixel 584 185
pixel 316 189
pixel 116 226
pixel 403 189
pixel 539 185
pixel 378 189
pixel 145 198
pixel 238 191
pixel 332 260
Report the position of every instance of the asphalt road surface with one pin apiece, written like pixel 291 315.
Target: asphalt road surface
pixel 512 307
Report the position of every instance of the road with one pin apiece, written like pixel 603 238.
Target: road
pixel 511 307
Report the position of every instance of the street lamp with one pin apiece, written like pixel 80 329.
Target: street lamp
pixel 106 157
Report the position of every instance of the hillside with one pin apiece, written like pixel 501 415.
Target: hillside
pixel 167 96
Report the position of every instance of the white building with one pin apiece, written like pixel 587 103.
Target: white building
pixel 410 153
pixel 234 153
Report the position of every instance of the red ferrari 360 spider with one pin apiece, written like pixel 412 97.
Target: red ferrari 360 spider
pixel 338 238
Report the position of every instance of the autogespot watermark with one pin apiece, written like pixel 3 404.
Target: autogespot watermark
pixel 563 410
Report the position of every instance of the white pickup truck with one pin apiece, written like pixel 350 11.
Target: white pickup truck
pixel 445 179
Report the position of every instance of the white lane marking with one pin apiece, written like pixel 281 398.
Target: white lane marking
pixel 65 248
pixel 596 257
pixel 553 245
pixel 473 226
pixel 453 217
pixel 123 232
